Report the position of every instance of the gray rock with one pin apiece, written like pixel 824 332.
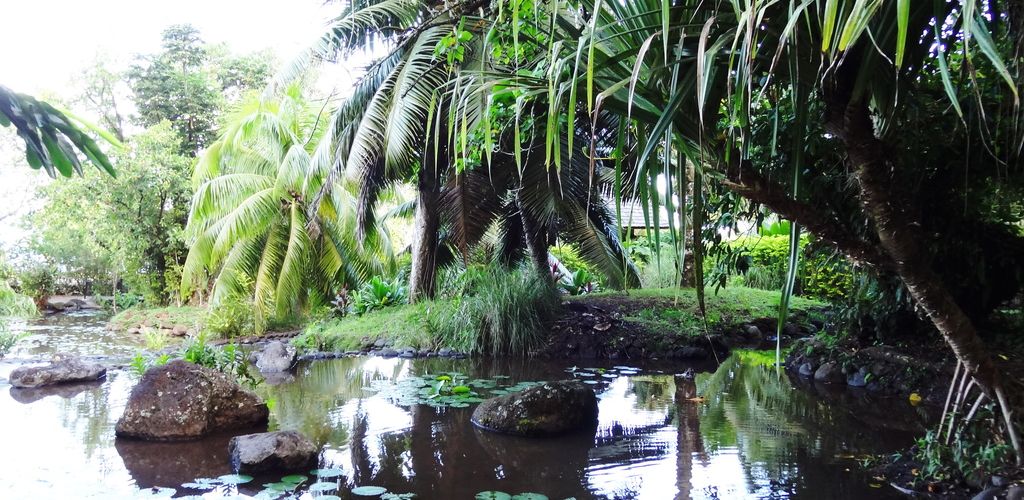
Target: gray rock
pixel 275 357
pixel 444 352
pixel 281 451
pixel 988 494
pixel 380 343
pixel 807 369
pixel 546 410
pixel 180 401
pixel 829 373
pixel 1016 492
pixel 858 378
pixel 751 332
pixel 63 369
pixel 388 352
pixel 407 353
pixel 179 331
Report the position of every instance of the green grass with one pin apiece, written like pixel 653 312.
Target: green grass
pixel 659 309
pixel 675 309
pixel 188 316
pixel 404 326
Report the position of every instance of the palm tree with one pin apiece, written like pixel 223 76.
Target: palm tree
pixel 249 222
pixel 690 78
pixel 400 125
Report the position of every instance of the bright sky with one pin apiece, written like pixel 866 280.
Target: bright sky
pixel 45 42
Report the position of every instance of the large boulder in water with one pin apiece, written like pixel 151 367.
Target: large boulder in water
pixel 280 451
pixel 181 400
pixel 63 369
pixel 275 357
pixel 545 410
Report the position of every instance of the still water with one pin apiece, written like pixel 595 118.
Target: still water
pixel 748 433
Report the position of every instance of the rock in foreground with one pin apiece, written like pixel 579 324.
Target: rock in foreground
pixel 62 370
pixel 180 401
pixel 546 410
pixel 281 451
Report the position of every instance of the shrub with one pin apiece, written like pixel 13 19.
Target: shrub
pixel 580 282
pixel 231 318
pixel 821 273
pixel 7 338
pixel 13 303
pixel 378 294
pixel 503 312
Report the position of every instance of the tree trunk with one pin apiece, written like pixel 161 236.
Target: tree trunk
pixel 900 236
pixel 536 236
pixel 427 221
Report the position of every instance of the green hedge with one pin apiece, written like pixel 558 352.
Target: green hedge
pixel 821 273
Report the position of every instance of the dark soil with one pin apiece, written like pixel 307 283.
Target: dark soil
pixel 599 328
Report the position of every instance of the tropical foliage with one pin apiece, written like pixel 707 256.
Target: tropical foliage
pixel 251 228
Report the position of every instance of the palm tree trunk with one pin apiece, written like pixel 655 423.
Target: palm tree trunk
pixel 900 236
pixel 536 236
pixel 427 222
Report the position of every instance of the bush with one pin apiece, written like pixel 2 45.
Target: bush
pixel 13 303
pixel 378 294
pixel 503 312
pixel 231 318
pixel 821 274
pixel 7 338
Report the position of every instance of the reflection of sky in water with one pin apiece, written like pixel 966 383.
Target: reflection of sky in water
pixel 754 436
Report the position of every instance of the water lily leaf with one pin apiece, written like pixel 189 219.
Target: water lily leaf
pixel 323 487
pixel 915 399
pixel 369 491
pixel 234 479
pixel 529 496
pixel 461 389
pixel 281 486
pixel 330 472
pixel 610 375
pixel 591 382
pixel 199 486
pixel 163 492
pixel 459 405
pixel 493 495
pixel 328 497
pixel 294 479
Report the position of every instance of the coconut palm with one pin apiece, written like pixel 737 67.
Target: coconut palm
pixel 249 221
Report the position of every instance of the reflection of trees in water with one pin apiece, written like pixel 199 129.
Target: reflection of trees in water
pixel 689 442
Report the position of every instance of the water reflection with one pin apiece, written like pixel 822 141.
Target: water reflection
pixel 81 333
pixel 739 431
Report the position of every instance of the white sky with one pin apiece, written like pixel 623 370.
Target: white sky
pixel 45 44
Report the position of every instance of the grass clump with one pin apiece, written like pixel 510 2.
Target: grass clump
pixel 404 326
pixel 160 317
pixel 501 312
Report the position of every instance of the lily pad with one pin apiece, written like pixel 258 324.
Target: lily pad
pixel 282 486
pixel 199 486
pixel 234 479
pixel 323 487
pixel 329 472
pixel 461 389
pixel 294 479
pixel 369 491
pixel 529 496
pixel 493 495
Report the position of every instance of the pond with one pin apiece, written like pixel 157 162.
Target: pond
pixel 747 433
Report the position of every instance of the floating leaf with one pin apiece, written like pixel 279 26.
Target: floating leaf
pixel 529 496
pixel 461 389
pixel 199 486
pixel 369 491
pixel 281 486
pixel 234 479
pixel 915 399
pixel 294 479
pixel 493 495
pixel 330 472
pixel 323 487
pixel 459 405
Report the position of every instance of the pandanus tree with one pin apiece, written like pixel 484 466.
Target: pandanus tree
pixel 704 83
pixel 249 223
pixel 400 125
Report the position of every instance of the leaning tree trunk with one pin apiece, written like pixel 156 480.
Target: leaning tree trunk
pixel 901 238
pixel 427 222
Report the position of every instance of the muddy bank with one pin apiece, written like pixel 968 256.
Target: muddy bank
pixel 612 327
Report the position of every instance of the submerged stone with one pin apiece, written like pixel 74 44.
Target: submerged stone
pixel 63 369
pixel 281 451
pixel 545 410
pixel 829 373
pixel 181 400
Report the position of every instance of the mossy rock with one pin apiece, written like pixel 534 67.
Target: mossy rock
pixel 546 410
